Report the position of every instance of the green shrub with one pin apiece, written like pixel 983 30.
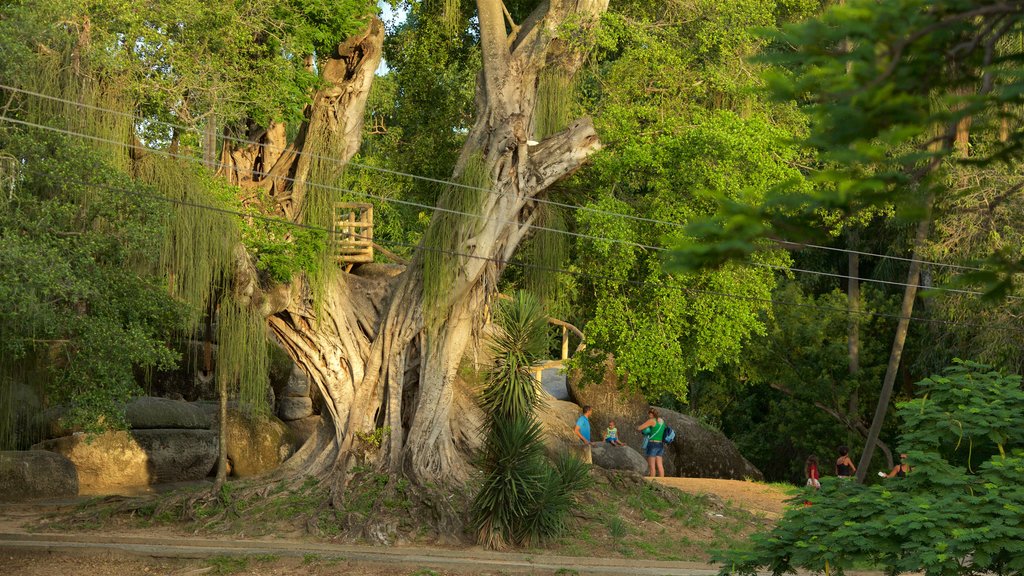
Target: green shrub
pixel 958 512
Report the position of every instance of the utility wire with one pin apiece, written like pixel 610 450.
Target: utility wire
pixel 478 216
pixel 522 264
pixel 239 140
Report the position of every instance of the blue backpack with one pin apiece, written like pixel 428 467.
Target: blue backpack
pixel 670 434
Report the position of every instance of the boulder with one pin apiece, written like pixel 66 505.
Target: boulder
pixel 702 452
pixel 149 413
pixel 112 461
pixel 698 451
pixel 32 474
pixel 558 418
pixel 294 408
pixel 627 409
pixel 256 444
pixel 300 430
pixel 297 386
pixel 617 458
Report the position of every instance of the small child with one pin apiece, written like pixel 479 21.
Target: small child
pixel 611 435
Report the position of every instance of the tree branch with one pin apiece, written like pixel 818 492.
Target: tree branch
pixel 493 44
pixel 559 155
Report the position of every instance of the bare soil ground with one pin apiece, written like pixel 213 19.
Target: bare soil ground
pixel 767 499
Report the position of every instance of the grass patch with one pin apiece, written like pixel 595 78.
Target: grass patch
pixel 228 564
pixel 628 517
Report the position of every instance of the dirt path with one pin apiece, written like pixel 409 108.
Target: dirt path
pixel 80 554
pixel 766 499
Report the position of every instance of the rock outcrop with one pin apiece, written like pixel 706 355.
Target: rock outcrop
pixel 255 444
pixel 150 413
pixel 701 452
pixel 617 458
pixel 31 474
pixel 697 452
pixel 112 461
pixel 558 419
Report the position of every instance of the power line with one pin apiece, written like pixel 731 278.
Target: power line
pixel 522 264
pixel 478 216
pixel 225 137
pixel 336 188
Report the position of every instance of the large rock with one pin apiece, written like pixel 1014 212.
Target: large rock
pixel 300 430
pixel 297 386
pixel 628 410
pixel 617 458
pixel 558 419
pixel 32 474
pixel 112 461
pixel 294 408
pixel 149 413
pixel 256 444
pixel 699 451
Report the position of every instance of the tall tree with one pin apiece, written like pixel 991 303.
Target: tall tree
pixel 382 351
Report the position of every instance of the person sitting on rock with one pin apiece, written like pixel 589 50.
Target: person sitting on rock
pixel 611 435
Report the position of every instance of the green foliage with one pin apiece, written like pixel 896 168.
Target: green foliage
pixel 243 359
pixel 792 394
pixel 554 103
pixel 884 86
pixel 80 303
pixel 958 510
pixel 523 498
pixel 673 102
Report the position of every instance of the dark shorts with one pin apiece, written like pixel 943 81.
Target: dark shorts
pixel 612 439
pixel 655 449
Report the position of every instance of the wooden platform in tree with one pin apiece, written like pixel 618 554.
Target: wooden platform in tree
pixel 353 232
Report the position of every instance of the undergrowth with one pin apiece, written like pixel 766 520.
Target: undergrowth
pixel 629 517
pixel 623 515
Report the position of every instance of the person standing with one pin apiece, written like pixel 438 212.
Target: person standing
pixel 654 429
pixel 582 429
pixel 900 470
pixel 844 466
pixel 811 471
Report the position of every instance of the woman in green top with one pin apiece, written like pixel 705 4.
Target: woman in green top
pixel 654 429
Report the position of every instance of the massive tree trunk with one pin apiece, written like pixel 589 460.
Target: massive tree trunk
pixel 382 355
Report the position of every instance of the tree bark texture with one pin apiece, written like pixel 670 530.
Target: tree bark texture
pixel 365 344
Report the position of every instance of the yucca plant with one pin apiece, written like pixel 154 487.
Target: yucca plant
pixel 523 497
pixel 521 338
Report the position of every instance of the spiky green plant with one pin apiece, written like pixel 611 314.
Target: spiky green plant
pixel 510 390
pixel 523 498
pixel 514 457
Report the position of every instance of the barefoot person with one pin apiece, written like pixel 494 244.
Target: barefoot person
pixel 654 429
pixel 611 435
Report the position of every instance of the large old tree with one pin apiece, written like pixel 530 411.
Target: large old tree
pixel 384 350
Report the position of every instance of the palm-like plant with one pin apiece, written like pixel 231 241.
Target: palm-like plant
pixel 523 498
